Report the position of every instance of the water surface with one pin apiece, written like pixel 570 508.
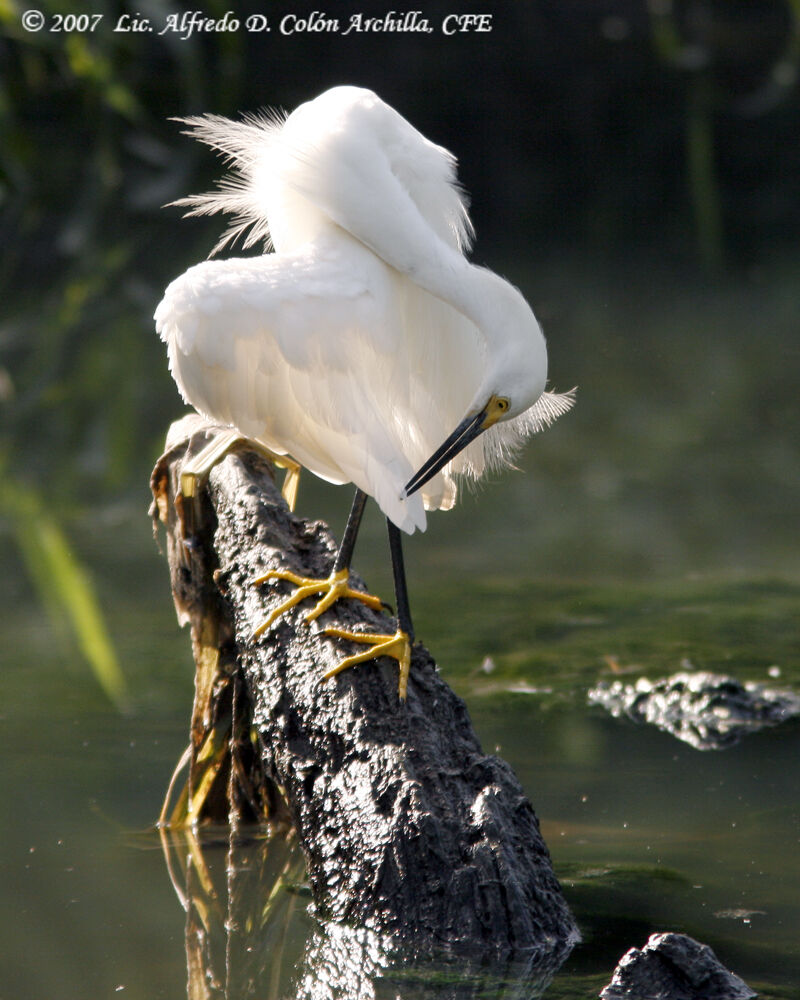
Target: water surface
pixel 646 833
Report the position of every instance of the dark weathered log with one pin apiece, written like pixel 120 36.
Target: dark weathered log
pixel 408 828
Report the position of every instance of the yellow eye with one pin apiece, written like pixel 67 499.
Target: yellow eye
pixel 495 410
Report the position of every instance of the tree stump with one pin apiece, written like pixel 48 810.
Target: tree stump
pixel 408 828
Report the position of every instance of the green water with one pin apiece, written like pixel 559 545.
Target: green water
pixel 646 833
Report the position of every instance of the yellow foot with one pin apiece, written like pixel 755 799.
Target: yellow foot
pixel 198 468
pixel 334 588
pixel 398 646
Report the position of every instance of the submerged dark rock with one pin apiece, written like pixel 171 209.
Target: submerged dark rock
pixel 708 711
pixel 674 967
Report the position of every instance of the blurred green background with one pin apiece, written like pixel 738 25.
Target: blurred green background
pixel 635 168
pixel 632 166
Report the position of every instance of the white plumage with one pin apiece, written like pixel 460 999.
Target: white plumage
pixel 366 337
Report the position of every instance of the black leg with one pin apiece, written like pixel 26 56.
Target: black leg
pixel 400 587
pixel 345 553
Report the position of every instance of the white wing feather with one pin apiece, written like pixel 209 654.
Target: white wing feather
pixel 284 348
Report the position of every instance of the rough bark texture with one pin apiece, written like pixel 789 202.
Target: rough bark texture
pixel 407 827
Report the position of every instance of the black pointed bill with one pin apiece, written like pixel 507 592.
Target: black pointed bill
pixel 466 432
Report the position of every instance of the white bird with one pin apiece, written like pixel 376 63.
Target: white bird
pixel 367 347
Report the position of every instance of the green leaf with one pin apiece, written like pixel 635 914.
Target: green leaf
pixel 63 583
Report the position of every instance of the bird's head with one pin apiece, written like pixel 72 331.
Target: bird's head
pixel 515 374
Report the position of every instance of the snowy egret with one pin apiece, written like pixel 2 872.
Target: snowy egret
pixel 366 347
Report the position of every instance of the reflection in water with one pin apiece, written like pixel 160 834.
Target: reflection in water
pixel 249 933
pixel 239 896
pixel 345 962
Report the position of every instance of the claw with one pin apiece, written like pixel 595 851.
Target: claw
pixel 333 589
pixel 398 646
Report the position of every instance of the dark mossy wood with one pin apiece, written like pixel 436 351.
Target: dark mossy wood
pixel 407 826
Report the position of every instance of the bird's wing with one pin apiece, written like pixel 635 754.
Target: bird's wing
pixel 294 351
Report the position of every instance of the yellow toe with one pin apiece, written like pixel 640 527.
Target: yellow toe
pixel 398 646
pixel 333 588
